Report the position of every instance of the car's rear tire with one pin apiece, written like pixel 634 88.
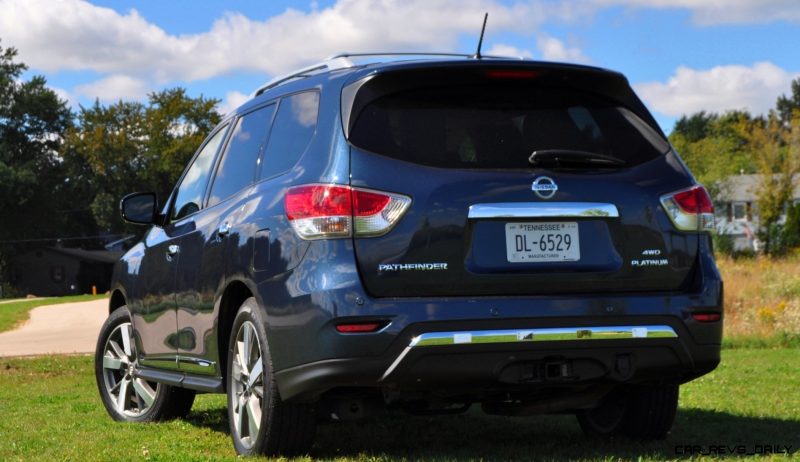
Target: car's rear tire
pixel 260 421
pixel 643 412
pixel 126 397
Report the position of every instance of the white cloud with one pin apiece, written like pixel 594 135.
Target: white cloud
pixel 114 88
pixel 76 35
pixel 233 99
pixel 501 49
pixel 713 12
pixel 718 89
pixel 553 49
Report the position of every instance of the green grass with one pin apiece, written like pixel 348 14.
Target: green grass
pixel 49 410
pixel 776 340
pixel 14 313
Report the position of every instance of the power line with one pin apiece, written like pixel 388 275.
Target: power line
pixel 73 238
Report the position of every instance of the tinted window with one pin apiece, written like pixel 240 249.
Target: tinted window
pixel 237 167
pixel 499 127
pixel 294 126
pixel 193 186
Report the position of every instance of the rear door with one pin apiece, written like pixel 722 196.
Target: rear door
pixel 216 233
pixel 582 216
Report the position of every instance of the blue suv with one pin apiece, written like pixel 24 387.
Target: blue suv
pixel 422 234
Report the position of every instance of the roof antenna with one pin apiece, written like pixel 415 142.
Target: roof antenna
pixel 477 54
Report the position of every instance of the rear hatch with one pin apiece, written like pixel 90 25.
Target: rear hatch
pixel 524 180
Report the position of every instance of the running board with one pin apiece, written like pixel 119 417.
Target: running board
pixel 183 380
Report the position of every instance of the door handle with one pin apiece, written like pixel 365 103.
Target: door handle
pixel 173 250
pixel 224 229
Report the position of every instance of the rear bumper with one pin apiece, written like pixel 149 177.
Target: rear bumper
pixel 312 357
pixel 472 360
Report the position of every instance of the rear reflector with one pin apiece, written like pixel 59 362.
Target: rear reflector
pixel 706 317
pixel 329 211
pixel 690 209
pixel 360 328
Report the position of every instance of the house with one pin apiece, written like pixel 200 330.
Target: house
pixel 736 209
pixel 53 271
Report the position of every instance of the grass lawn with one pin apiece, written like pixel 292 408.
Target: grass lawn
pixel 49 410
pixel 15 313
pixel 762 301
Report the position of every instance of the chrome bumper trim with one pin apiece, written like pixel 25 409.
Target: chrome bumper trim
pixel 543 210
pixel 545 334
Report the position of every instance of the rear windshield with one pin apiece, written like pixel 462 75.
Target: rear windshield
pixel 500 127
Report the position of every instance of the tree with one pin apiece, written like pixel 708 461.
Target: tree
pixel 713 147
pixel 777 154
pixel 129 146
pixel 32 120
pixel 787 105
pixel 695 127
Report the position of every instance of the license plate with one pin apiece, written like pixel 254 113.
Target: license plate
pixel 542 242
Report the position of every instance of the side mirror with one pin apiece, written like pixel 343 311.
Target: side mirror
pixel 139 208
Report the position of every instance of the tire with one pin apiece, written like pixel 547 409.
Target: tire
pixel 260 422
pixel 644 413
pixel 115 367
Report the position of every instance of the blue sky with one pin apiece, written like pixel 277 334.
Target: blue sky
pixel 682 56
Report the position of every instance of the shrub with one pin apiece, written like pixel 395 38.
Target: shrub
pixel 773 239
pixel 791 229
pixel 723 244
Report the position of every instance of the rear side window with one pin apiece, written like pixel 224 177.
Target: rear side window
pixel 237 169
pixel 500 127
pixel 190 193
pixel 294 126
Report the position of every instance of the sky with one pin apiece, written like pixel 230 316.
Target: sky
pixel 681 56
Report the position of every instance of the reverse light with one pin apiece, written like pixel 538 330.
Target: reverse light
pixel 690 209
pixel 321 211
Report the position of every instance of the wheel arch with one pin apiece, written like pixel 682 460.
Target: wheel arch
pixel 235 293
pixel 116 301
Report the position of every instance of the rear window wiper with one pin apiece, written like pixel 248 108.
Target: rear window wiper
pixel 572 156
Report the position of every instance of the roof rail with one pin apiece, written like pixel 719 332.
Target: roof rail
pixel 423 53
pixel 330 64
pixel 343 61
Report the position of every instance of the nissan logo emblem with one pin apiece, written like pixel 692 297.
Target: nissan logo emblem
pixel 544 187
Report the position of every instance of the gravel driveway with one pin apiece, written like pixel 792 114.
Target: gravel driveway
pixel 64 328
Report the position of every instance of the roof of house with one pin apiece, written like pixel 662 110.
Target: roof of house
pixel 101 256
pixel 743 188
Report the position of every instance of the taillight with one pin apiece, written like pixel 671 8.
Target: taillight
pixel 331 211
pixel 375 213
pixel 690 209
pixel 319 211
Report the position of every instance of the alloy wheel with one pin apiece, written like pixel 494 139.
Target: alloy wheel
pixel 248 384
pixel 132 396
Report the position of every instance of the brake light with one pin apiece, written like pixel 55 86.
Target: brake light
pixel 332 211
pixel 690 209
pixel 511 74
